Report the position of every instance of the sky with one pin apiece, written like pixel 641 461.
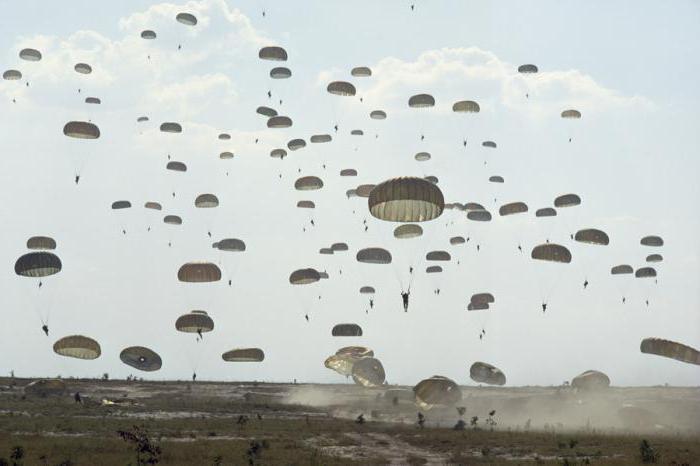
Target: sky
pixel 629 67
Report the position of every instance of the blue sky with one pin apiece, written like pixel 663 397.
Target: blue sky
pixel 629 67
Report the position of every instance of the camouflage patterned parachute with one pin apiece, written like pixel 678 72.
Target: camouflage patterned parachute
pixel 77 346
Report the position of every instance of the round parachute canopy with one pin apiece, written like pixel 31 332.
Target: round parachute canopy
pixel 373 256
pixel 176 166
pixel 226 155
pixel 527 69
pixel 266 111
pixel 592 236
pixel 378 115
pixel 422 156
pixel 38 264
pixel 355 351
pixel 230 245
pixel 357 132
pixel 244 355
pixel 272 53
pixel 41 243
pixel 364 190
pixel 153 205
pixel 367 290
pixel 325 251
pixel 368 372
pixel 406 199
pixel 546 212
pixel 224 137
pixel 141 119
pixel 591 380
pixel 466 106
pixel 92 100
pixel 280 72
pixel 512 208
pixel 304 276
pixel 496 179
pixel 552 253
pixel 481 298
pixel 473 206
pixel 83 68
pixel 645 272
pixel 320 138
pixel 575 114
pixel 336 247
pixel 567 200
pixel 343 88
pixel 206 201
pixel 479 215
pixel 438 256
pixel 455 240
pixel 622 269
pixel 141 358
pixel 199 272
pixel 670 349
pixel 171 127
pixel 351 193
pixel 477 306
pixel 437 390
pixel 346 330
pixel 655 241
pixel 296 144
pixel 81 130
pixel 187 19
pixel 306 205
pixel 348 172
pixel 278 153
pixel 490 144
pixel 77 346
pixel 46 387
pixel 343 360
pixel 172 220
pixel 116 205
pixel 421 101
pixel 361 72
pixel 308 183
pixel 408 231
pixel 12 75
pixel 655 258
pixel 148 34
pixel 481 372
pixel 433 269
pixel 30 54
pixel 194 322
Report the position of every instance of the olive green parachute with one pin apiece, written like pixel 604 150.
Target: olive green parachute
pixel 12 75
pixel 592 236
pixel 280 72
pixel 654 258
pixel 272 53
pixel 473 206
pixel 296 144
pixel 38 264
pixel 278 153
pixel 341 88
pixel 244 355
pixel 357 132
pixel 325 251
pixel 361 72
pixel 546 212
pixel 655 241
pixel 378 115
pixel 199 272
pixel 567 200
pixel 406 199
pixel 46 387
pixel 41 243
pixel 346 330
pixel 224 137
pixel 187 19
pixel 83 68
pixel 422 156
pixel 479 215
pixel 477 306
pixel 591 380
pixel 320 138
pixel 266 111
pixel 645 272
pixel 148 34
pixel 171 127
pixel 512 208
pixel 670 349
pixel 433 269
pixel 230 245
pixel 279 122
pixel 77 346
pixel 480 298
pixel 172 220
pixel 421 101
pixel 116 205
pixel 367 290
pixel 552 253
pixel 482 372
pixel 496 179
pixel 466 106
pixel 407 231
pixel 455 240
pixel 141 358
pixel 528 68
pixel 489 144
pixel 226 155
pixel 81 130
pixel 575 114
pixel 304 276
pixel 368 372
pixel 206 201
pixel 339 247
pixel 141 119
pixel 30 54
pixel 348 172
pixel 308 183
pixel 364 190
pixel 437 391
pixel 438 256
pixel 194 322
pixel 622 269
pixel 92 100
pixel 373 256
pixel 306 205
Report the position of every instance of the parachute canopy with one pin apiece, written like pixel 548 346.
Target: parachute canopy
pixel 187 19
pixel 438 256
pixel 244 355
pixel 280 72
pixel 206 201
pixel 41 243
pixel 117 205
pixel 655 241
pixel 421 101
pixel 81 130
pixel 346 330
pixel 466 106
pixel 512 208
pixel 148 34
pixel 30 54
pixel 194 322
pixel 374 256
pixel 670 349
pixel 592 236
pixel 38 264
pixel 527 69
pixel 591 380
pixel 279 122
pixel 308 183
pixel 378 115
pixel 645 272
pixel 437 390
pixel 230 245
pixel 361 72
pixel 171 127
pixel 341 88
pixel 77 346
pixel 12 75
pixel 141 358
pixel 199 272
pixel 552 253
pixel 575 114
pixel 482 372
pixel 272 53
pixel 567 200
pixel 406 199
pixel 546 212
pixel 622 269
pixel 304 276
pixel 368 372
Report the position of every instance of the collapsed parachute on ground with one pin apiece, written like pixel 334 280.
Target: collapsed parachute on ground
pixel 46 387
pixel 346 330
pixel 194 322
pixel 244 355
pixel 141 358
pixel 199 272
pixel 38 264
pixel 373 256
pixel 81 130
pixel 407 199
pixel 437 391
pixel 670 349
pixel 344 359
pixel 368 372
pixel 552 253
pixel 482 372
pixel 591 380
pixel 77 346
pixel 41 243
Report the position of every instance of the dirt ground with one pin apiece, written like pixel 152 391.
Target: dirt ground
pixel 306 424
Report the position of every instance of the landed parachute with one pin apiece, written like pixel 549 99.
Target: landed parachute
pixel 141 358
pixel 199 272
pixel 482 372
pixel 244 355
pixel 344 359
pixel 406 199
pixel 670 349
pixel 77 346
pixel 591 380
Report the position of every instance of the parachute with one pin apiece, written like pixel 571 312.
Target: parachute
pixel 172 220
pixel 432 179
pixel 591 380
pixel 368 372
pixel 455 240
pixel 230 245
pixel 92 100
pixel 592 236
pixel 552 253
pixel 496 179
pixel 654 258
pixel 527 69
pixel 546 212
pixel 344 359
pixel 272 53
pixel 187 19
pixel 378 115
pixel 438 256
pixel 304 277
pixel 148 34
pixel 346 330
pixel 482 372
pixel 306 205
pixel 482 298
pixel 278 153
pixel 30 55
pixel 433 269
pixel 341 88
pixel 83 68
pixel 206 201
pixel 339 247
pixel 655 241
pixel 421 101
pixel 38 264
pixel 357 132
pixel 645 272
pixel 437 390
pixel 244 355
pixel 279 122
pixel 325 251
pixel 77 346
pixel 224 137
pixel 296 144
pixel 12 75
pixel 364 190
pixel 199 272
pixel 512 208
pixel 280 72
pixel 81 130
pixel 374 256
pixel 466 106
pixel 194 322
pixel 361 72
pixel 171 127
pixel 477 306
pixel 567 200
pixel 406 199
pixel 622 269
pixel 266 111
pixel 41 243
pixel 308 183
pixel 422 156
pixel 489 144
pixel 320 138
pixel 575 114
pixel 670 349
pixel 141 358
pixel 367 290
pixel 46 387
pixel 226 155
pixel 479 215
pixel 348 172
pixel 141 119
pixel 473 206
pixel 116 205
